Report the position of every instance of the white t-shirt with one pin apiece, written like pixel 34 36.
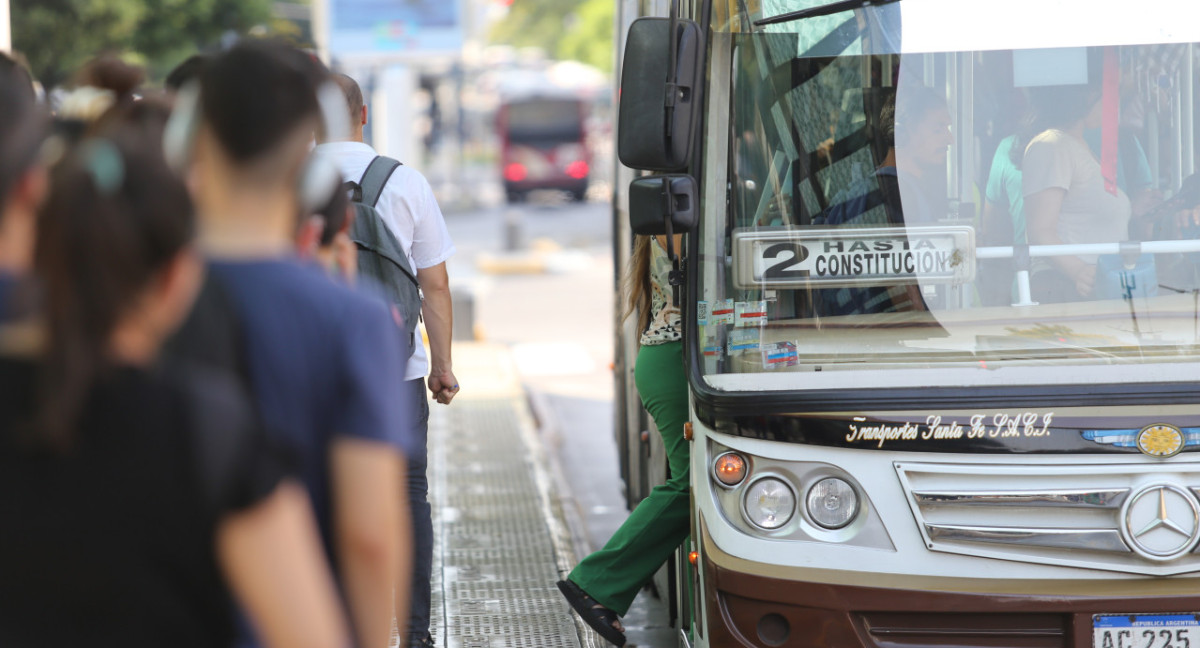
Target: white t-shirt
pixel 410 211
pixel 1089 213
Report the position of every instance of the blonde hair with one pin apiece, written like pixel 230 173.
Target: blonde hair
pixel 637 283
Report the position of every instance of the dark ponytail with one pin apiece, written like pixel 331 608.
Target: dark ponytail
pixel 114 218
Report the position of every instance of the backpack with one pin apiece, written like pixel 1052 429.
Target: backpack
pixel 380 255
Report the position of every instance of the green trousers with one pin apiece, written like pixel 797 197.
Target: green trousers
pixel 660 523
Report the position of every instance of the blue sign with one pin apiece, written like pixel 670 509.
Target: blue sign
pixel 366 27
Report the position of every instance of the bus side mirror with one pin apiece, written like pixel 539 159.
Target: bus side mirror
pixel 657 113
pixel 656 200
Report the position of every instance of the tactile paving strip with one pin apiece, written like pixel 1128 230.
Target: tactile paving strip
pixel 497 551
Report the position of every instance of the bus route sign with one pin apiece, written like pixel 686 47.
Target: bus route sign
pixel 802 257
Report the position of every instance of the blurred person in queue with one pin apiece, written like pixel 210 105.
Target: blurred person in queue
pixel 137 497
pixel 324 239
pixel 410 212
pixel 23 177
pixel 322 361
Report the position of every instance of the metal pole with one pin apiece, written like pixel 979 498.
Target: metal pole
pixel 965 135
pixel 5 27
pixel 1187 111
pixel 320 28
pixel 1152 150
pixel 1177 127
pixel 951 96
pixel 1024 295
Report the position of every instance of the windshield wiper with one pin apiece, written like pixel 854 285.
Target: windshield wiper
pixel 822 10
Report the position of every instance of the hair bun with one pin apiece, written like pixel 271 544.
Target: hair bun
pixel 109 72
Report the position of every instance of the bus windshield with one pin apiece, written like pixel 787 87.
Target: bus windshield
pixel 948 217
pixel 543 119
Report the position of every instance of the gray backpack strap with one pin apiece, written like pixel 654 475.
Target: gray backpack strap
pixel 378 172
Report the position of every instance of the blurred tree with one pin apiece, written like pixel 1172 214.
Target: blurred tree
pixel 581 30
pixel 58 36
pixel 590 36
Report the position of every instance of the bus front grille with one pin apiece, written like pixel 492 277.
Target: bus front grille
pixel 1141 519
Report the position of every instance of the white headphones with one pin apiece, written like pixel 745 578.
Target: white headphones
pixel 319 177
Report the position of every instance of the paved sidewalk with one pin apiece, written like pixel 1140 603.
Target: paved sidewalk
pixel 501 539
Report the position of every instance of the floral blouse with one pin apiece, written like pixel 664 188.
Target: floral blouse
pixel 664 314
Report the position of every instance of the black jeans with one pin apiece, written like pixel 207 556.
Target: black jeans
pixel 422 519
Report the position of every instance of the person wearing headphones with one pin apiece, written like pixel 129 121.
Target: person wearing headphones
pixel 322 361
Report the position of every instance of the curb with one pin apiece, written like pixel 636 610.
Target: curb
pixel 546 435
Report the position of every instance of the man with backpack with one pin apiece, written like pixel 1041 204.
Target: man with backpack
pixel 403 246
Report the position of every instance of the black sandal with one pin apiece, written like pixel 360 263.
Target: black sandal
pixel 598 617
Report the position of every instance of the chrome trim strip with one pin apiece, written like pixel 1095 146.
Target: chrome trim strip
pixel 990 633
pixel 1102 499
pixel 1093 539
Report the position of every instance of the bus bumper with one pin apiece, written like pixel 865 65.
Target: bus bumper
pixel 745 609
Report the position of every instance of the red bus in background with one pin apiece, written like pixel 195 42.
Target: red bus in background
pixel 543 145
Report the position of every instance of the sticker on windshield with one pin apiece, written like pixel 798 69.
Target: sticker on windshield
pixel 801 257
pixel 745 340
pixel 777 355
pixel 702 313
pixel 722 312
pixel 752 313
pixel 712 348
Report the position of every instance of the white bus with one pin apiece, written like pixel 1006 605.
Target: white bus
pixel 942 309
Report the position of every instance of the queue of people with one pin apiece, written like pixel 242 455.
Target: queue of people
pixel 213 428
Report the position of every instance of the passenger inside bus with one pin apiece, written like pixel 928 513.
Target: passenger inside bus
pixel 1004 219
pixel 1066 201
pixel 907 188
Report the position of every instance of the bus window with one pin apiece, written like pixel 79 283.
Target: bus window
pixel 965 211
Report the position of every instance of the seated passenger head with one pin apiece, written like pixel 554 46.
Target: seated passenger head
pixel 116 265
pixel 1061 107
pixel 22 176
pixel 1066 106
pixel 916 122
pixel 252 126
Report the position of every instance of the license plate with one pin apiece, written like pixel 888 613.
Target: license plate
pixel 1146 630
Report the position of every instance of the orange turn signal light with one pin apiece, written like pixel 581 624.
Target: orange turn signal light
pixel 687 431
pixel 730 469
pixel 694 557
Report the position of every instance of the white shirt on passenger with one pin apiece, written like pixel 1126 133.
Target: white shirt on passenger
pixel 411 212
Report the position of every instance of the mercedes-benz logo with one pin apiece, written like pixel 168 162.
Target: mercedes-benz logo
pixel 1162 522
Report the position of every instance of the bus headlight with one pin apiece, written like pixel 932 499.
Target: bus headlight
pixel 832 503
pixel 769 503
